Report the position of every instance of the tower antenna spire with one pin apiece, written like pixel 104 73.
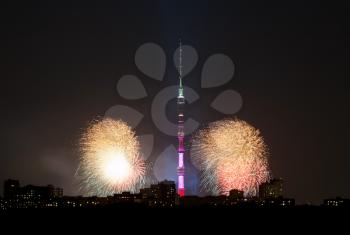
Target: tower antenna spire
pixel 180 59
pixel 180 69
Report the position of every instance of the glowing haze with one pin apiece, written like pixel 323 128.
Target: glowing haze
pixel 110 159
pixel 231 154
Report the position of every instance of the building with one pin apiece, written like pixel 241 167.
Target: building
pixel 167 192
pixel 277 202
pixel 235 194
pixel 11 188
pixel 146 193
pixel 336 202
pixel 30 196
pixel 271 195
pixel 39 192
pixel 272 189
pixel 180 131
pixel 235 197
pixel 162 194
pixel 2 204
pixel 124 197
pixel 83 202
pixel 55 192
pixel 31 192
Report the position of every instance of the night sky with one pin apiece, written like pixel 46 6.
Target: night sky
pixel 60 64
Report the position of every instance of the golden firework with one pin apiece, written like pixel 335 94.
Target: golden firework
pixel 110 159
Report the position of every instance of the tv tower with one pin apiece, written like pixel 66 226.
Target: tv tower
pixel 180 130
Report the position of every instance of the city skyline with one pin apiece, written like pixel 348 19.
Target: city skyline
pixel 157 195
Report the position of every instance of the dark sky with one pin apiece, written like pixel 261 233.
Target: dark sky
pixel 60 63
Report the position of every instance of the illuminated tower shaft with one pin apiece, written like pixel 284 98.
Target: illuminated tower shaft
pixel 180 131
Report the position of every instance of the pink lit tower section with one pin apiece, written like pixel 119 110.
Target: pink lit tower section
pixel 180 131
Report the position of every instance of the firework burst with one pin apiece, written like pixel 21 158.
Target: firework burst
pixel 110 159
pixel 231 154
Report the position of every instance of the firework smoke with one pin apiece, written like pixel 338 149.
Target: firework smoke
pixel 230 154
pixel 110 159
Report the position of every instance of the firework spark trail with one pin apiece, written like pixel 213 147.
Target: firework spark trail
pixel 230 154
pixel 110 159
